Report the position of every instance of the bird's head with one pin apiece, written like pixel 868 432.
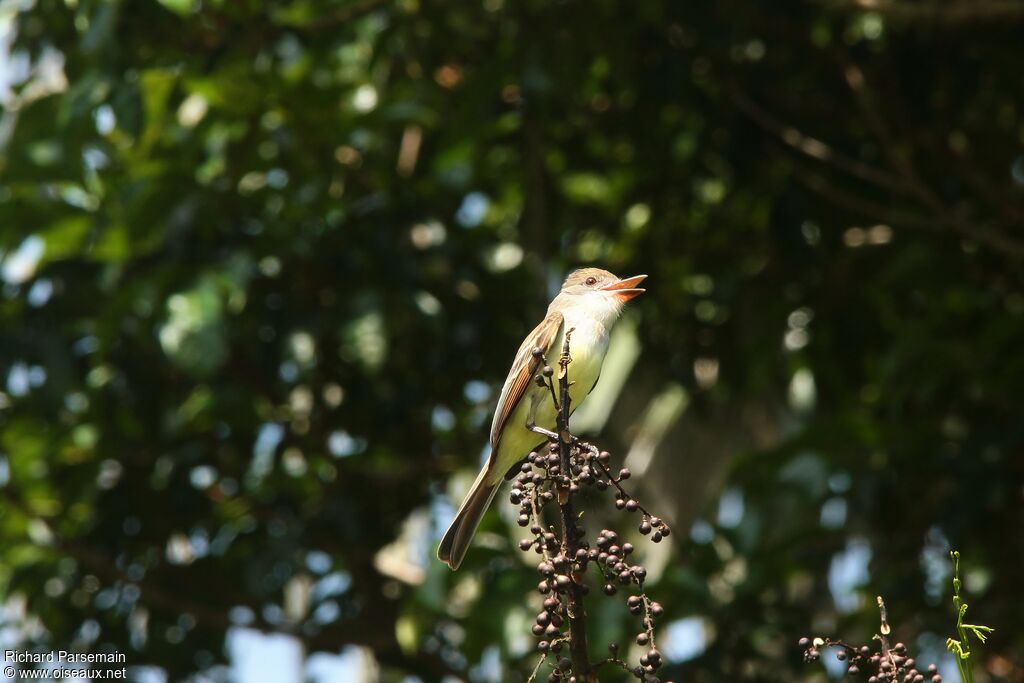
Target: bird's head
pixel 588 280
pixel 600 290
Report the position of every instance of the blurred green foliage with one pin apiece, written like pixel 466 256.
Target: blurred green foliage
pixel 264 265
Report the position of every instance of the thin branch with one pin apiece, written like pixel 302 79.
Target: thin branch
pixel 883 629
pixel 902 179
pixel 857 204
pixel 945 13
pixel 540 661
pixel 904 166
pixel 813 147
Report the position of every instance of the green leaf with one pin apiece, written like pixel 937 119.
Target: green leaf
pixel 180 7
pixel 114 244
pixel 156 86
pixel 66 237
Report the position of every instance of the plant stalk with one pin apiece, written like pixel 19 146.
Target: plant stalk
pixel 578 650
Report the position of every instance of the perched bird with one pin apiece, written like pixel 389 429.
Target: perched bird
pixel 588 305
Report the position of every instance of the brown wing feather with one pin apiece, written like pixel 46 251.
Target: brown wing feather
pixel 523 371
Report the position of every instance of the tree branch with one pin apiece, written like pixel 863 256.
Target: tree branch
pixel 811 146
pixel 942 213
pixel 946 13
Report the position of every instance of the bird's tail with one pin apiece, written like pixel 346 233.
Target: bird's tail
pixel 459 535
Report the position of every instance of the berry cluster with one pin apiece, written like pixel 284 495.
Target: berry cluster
pixel 895 667
pixel 887 665
pixel 556 474
pixel 541 480
pixel 540 477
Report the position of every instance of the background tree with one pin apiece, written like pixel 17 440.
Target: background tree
pixel 263 264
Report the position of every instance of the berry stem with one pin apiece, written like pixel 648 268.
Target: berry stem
pixel 537 521
pixel 614 481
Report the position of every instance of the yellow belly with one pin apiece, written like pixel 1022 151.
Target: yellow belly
pixel 587 348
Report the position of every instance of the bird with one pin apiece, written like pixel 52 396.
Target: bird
pixel 587 306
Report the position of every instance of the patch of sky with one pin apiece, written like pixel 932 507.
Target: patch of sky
pixel 442 512
pixel 20 265
pixel 683 639
pixel 731 508
pixel 442 419
pixel 335 583
pixel 490 668
pixel 318 562
pixel 476 391
pixel 341 444
pixel 935 564
pixel 833 513
pixel 267 440
pixel 702 532
pixel 40 292
pixel 472 210
pixel 847 573
pixel 85 345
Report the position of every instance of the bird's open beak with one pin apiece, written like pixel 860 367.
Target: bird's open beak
pixel 625 289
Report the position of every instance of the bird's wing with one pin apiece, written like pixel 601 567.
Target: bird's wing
pixel 523 371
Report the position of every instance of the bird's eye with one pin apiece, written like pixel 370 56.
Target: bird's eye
pixel 591 281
